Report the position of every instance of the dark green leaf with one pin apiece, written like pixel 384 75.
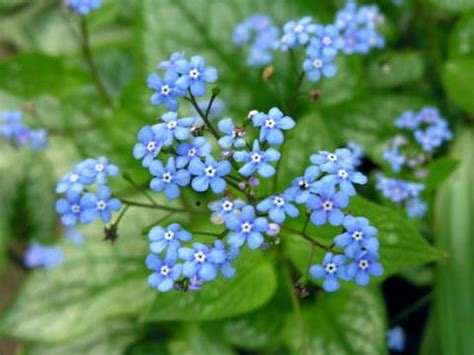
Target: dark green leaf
pixel 461 40
pixel 453 5
pixel 458 81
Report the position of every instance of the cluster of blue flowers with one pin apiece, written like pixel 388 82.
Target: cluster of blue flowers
pixel 83 7
pixel 177 154
pixel 43 256
pixel 82 205
pixel 19 134
pixel 421 133
pixel 396 339
pixel 354 31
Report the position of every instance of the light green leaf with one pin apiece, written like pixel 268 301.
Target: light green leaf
pixel 32 74
pixel 192 340
pixel 439 170
pixel 396 69
pixel 458 81
pixel 347 322
pixel 461 40
pixel 96 282
pixel 111 338
pixel 251 288
pixel 454 229
pixel 453 5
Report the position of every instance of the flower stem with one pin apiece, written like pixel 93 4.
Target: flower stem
pixel 308 238
pixel 206 120
pixel 155 206
pixel 87 53
pixel 127 177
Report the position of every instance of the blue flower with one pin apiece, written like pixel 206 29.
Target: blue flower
pixel 151 140
pixel 193 75
pixel 175 127
pixel 234 135
pixel 218 106
pixel 396 339
pixel 74 236
pixel 364 265
pixel 226 267
pixel 317 64
pixel 101 205
pixel 408 120
pixel 278 207
pixel 301 187
pixel 359 235
pixel 345 179
pixel 38 139
pixel 76 180
pixel 257 160
pixel 356 41
pixel 170 64
pixel 44 256
pixel 166 92
pixel 296 33
pixel 272 124
pixel 416 208
pixel 72 210
pixel 9 121
pixel 394 158
pixel 201 261
pixel 246 228
pixel 326 39
pixel 357 153
pixel 394 189
pixel 168 178
pixel 347 16
pixel 100 169
pixel 331 270
pixel 223 208
pixel 168 238
pixel 210 173
pixel 198 148
pixel 166 272
pixel 327 205
pixel 329 161
pixel 83 7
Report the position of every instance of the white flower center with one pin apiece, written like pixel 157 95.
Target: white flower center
pixel 210 171
pixel 270 123
pixel 256 158
pixel 327 40
pixel 165 90
pixel 172 124
pixel 227 206
pixel 303 184
pixel 75 208
pixel 332 157
pixel 164 270
pixel 194 73
pixel 317 63
pixel 192 152
pixel 363 264
pixel 101 205
pixel 151 146
pixel 278 201
pixel 299 28
pixel 328 205
pixel 342 174
pixel 246 227
pixel 252 114
pixel 169 235
pixel 74 178
pixel 331 268
pixel 200 257
pixel 167 177
pixel 357 235
pixel 99 168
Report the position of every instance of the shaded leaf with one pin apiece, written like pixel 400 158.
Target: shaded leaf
pixel 458 81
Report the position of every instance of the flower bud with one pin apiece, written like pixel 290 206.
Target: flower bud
pixel 273 229
pixel 267 72
pixel 252 114
pixel 242 185
pixel 253 181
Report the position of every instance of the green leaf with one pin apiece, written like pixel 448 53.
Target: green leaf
pixel 395 69
pixel 453 5
pixel 32 74
pixel 346 322
pixel 461 39
pixel 192 340
pixel 438 171
pixel 96 282
pixel 458 81
pixel 453 229
pixel 111 338
pixel 401 245
pixel 251 288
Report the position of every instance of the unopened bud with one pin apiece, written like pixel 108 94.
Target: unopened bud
pixel 253 181
pixel 315 95
pixel 226 154
pixel 242 185
pixel 252 114
pixel 267 72
pixel 300 288
pixel 273 229
pixel 110 233
pixel 216 90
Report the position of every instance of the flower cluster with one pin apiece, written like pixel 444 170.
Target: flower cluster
pixel 79 203
pixel 396 339
pixel 19 134
pixel 83 7
pixel 410 150
pixel 354 31
pixel 43 256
